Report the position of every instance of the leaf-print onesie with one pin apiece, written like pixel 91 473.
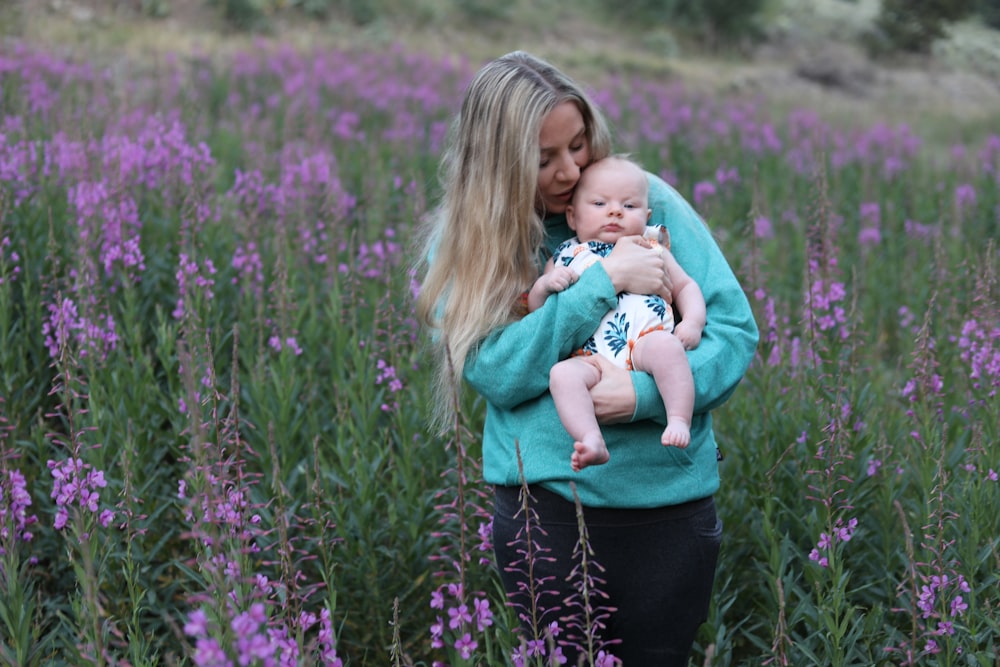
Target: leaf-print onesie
pixel 635 314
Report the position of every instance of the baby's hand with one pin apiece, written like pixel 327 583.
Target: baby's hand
pixel 559 279
pixel 688 334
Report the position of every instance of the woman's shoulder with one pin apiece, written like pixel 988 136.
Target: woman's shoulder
pixel 669 207
pixel 660 190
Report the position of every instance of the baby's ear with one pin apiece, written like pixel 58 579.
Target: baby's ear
pixel 569 217
pixel 649 214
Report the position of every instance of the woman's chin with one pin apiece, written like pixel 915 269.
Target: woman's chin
pixel 553 207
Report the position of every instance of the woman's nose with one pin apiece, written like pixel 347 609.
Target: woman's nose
pixel 569 170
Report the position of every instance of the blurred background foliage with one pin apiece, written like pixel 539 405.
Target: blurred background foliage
pixel 901 25
pixel 716 25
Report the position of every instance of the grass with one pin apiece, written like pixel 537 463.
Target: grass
pixel 213 395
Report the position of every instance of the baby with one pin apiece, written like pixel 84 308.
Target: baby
pixel 611 202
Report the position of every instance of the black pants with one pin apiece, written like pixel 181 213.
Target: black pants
pixel 659 566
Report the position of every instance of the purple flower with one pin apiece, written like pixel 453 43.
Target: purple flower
pixel 208 653
pixel 11 256
pixel 945 628
pixel 14 506
pixel 327 641
pixel 437 632
pixel 873 467
pixel 702 191
pixel 484 615
pixel 458 616
pixel 822 298
pixel 965 197
pixel 63 319
pixel 762 227
pixel 466 645
pixel 978 343
pixel 293 345
pixel 197 624
pixel 76 483
pixel 845 533
pixel 485 533
pixel 816 557
pixel 871 213
pixel 730 175
pixel 606 660
pixel 869 236
pixel 925 600
pixel 249 266
pixel 919 231
pixel 250 643
pixel 387 374
pixel 190 273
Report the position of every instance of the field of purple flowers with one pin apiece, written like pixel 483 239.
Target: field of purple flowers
pixel 213 394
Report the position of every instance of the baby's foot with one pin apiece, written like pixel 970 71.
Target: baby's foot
pixel 677 434
pixel 590 451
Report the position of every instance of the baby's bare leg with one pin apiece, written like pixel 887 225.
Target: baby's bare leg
pixel 570 382
pixel 662 355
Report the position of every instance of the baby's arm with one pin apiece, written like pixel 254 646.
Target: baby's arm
pixel 553 279
pixel 689 301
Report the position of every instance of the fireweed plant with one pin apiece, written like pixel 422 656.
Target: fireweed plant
pixel 213 394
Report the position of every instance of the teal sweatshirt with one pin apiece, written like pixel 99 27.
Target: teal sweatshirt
pixel 510 369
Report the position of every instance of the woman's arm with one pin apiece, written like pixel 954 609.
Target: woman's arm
pixel 730 335
pixel 511 365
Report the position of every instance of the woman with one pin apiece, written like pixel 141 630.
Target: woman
pixel 518 145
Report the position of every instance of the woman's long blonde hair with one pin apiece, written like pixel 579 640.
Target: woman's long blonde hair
pixel 482 242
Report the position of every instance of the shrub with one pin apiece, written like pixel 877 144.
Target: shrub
pixel 483 11
pixel 244 14
pixel 989 11
pixel 715 20
pixel 914 25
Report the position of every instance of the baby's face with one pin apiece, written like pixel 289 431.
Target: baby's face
pixel 611 201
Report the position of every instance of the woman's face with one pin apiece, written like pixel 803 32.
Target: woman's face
pixel 565 151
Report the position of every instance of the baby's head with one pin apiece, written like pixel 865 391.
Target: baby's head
pixel 611 201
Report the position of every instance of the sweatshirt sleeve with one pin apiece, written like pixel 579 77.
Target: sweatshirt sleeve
pixel 511 365
pixel 730 337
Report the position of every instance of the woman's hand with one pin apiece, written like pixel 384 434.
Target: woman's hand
pixel 634 266
pixel 613 396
